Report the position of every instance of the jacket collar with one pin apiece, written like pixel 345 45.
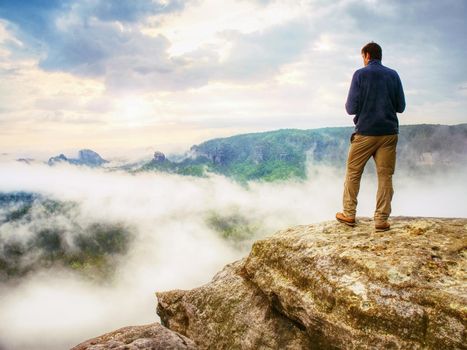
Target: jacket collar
pixel 374 61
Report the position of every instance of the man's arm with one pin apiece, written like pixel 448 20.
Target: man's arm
pixel 400 97
pixel 351 105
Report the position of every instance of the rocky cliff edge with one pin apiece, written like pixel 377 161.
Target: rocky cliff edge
pixel 329 286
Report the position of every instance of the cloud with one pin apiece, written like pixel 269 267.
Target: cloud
pixel 31 18
pixel 259 55
pixel 102 40
pixel 131 11
pixel 37 17
pixel 174 246
pixel 207 68
pixel 109 40
pixel 81 37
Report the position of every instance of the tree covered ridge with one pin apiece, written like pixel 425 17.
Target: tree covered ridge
pixel 55 237
pixel 284 154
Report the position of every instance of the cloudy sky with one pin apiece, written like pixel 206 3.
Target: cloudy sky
pixel 120 76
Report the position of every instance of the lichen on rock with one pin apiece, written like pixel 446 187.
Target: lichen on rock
pixel 329 286
pixel 151 336
pixel 230 312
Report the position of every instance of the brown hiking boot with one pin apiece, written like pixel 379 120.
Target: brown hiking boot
pixel 345 219
pixel 382 226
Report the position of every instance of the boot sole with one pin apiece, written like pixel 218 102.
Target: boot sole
pixel 351 224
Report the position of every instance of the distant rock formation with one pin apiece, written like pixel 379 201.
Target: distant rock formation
pixel 25 160
pixel 158 157
pixel 221 154
pixel 329 286
pixel 57 159
pixel 85 157
pixel 90 158
pixel 159 162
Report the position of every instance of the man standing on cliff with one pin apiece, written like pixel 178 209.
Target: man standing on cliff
pixel 375 96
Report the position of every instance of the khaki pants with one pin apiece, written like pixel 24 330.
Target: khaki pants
pixel 383 151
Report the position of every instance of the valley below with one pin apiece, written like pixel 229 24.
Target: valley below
pixel 83 248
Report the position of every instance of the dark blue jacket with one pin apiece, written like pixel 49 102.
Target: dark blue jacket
pixel 375 96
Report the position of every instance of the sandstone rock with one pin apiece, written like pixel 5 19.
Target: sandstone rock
pixel 329 286
pixel 152 336
pixel 229 313
pixel 85 157
pixel 90 158
pixel 158 157
pixel 57 159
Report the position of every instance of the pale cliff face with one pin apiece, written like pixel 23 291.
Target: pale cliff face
pixel 332 287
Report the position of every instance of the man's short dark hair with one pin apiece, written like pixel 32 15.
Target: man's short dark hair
pixel 374 50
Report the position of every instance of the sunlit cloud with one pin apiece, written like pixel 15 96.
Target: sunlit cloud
pixel 169 74
pixel 190 30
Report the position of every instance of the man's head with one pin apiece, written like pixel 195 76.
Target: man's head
pixel 371 51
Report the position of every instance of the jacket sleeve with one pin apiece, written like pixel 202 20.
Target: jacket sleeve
pixel 352 103
pixel 400 97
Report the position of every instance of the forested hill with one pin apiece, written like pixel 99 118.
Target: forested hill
pixel 283 154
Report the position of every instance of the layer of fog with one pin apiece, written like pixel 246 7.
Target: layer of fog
pixel 174 248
